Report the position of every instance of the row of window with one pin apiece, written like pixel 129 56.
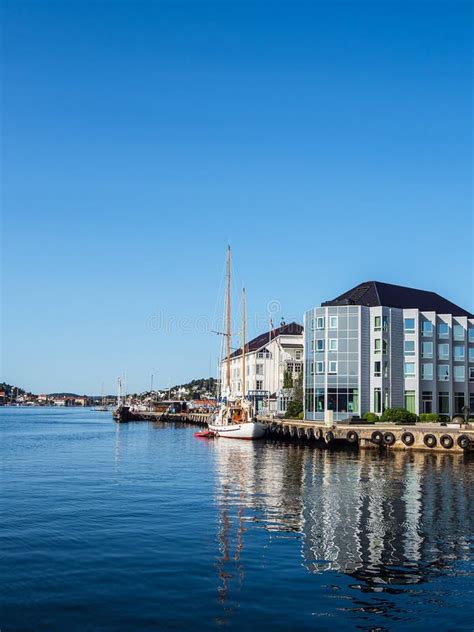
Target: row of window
pixel 459 350
pixel 427 401
pixel 321 344
pixel 381 323
pixel 459 372
pixel 319 367
pixel 294 367
pixel 338 399
pixel 320 322
pixel 427 329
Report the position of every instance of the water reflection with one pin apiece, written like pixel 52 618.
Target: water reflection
pixel 389 521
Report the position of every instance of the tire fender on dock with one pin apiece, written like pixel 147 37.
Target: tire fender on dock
pixel 329 437
pixel 352 437
pixel 408 438
pixel 389 438
pixel 464 442
pixel 377 437
pixel 430 440
pixel 446 441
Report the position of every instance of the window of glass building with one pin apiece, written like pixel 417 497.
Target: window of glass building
pixel 458 332
pixel 385 323
pixel 427 371
pixel 384 347
pixel 471 373
pixel 426 349
pixel 471 334
pixel 385 369
pixel 443 372
pixel 332 367
pixel 333 344
pixel 332 322
pixel 319 400
pixel 353 400
pixel 377 323
pixel 409 347
pixel 377 345
pixel 385 399
pixel 427 328
pixel 319 367
pixel 377 369
pixel 459 352
pixel 320 345
pixel 443 352
pixel 459 373
pixel 409 325
pixel 409 369
pixel 410 403
pixel 443 403
pixel 443 330
pixel 377 400
pixel 427 401
pixel 458 403
pixel 471 354
pixel 320 322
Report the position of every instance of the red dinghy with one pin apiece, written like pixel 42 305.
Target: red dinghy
pixel 204 434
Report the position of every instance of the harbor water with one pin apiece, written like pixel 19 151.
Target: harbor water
pixel 141 526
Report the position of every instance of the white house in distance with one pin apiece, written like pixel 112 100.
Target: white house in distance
pixel 268 357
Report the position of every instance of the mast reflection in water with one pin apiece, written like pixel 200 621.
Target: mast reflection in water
pixel 389 521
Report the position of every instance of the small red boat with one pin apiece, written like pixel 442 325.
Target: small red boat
pixel 205 434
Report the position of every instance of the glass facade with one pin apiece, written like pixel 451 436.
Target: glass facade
pixel 426 349
pixel 443 403
pixel 427 328
pixel 427 371
pixel 334 352
pixel 410 401
pixel 458 403
pixel 443 330
pixel 409 325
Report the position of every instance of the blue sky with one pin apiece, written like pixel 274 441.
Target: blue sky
pixel 329 142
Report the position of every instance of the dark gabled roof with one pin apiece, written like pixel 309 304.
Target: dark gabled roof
pixel 375 293
pixel 292 329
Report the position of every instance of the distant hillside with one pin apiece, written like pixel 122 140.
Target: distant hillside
pixel 64 395
pixel 8 389
pixel 195 389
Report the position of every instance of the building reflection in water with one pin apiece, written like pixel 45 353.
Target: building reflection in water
pixel 387 520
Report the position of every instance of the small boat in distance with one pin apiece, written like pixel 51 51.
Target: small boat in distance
pixel 103 408
pixel 235 419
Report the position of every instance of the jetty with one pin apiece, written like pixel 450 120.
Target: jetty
pixel 420 436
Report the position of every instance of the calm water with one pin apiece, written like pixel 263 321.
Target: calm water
pixel 144 527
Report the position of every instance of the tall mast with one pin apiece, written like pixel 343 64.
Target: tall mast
pixel 228 321
pixel 243 343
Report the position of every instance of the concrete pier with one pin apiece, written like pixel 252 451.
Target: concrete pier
pixel 428 437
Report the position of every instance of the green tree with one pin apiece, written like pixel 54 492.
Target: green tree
pixel 287 380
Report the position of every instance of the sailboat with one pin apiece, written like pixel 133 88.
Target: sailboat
pixel 235 418
pixel 103 408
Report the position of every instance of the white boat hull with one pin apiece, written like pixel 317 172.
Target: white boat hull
pixel 249 430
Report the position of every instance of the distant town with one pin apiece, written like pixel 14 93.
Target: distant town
pixel 203 389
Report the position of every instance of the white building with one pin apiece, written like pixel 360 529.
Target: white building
pixel 381 346
pixel 268 357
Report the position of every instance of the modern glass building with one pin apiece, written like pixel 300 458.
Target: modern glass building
pixel 380 345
